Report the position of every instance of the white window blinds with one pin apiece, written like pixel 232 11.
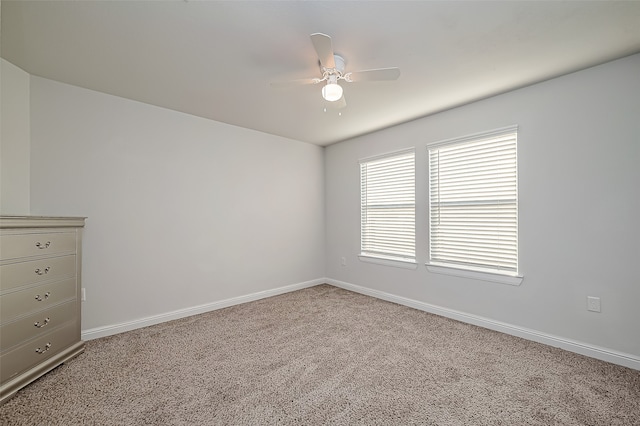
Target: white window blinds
pixel 387 195
pixel 473 202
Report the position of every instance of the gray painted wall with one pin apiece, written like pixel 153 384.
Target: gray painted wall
pixel 14 140
pixel 182 211
pixel 579 204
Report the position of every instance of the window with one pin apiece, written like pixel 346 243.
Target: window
pixel 387 195
pixel 473 203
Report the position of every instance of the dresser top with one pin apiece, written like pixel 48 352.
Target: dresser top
pixel 40 222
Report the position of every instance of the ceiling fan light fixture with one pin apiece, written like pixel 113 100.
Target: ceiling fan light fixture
pixel 332 69
pixel 332 92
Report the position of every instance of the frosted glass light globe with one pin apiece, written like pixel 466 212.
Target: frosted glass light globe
pixel 332 92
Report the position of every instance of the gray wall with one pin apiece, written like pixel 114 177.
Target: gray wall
pixel 579 180
pixel 14 140
pixel 182 211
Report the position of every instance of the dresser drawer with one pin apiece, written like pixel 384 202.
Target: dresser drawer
pixel 14 275
pixel 37 350
pixel 37 324
pixel 13 246
pixel 34 299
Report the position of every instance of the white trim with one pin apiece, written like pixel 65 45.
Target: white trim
pixel 604 354
pixel 108 330
pixel 387 206
pixel 397 263
pixel 481 135
pixel 387 154
pixel 461 179
pixel 476 275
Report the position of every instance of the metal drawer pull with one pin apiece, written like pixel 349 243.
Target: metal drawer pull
pixel 46 348
pixel 40 298
pixel 43 271
pixel 43 323
pixel 43 246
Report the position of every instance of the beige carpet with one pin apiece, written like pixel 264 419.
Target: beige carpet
pixel 324 355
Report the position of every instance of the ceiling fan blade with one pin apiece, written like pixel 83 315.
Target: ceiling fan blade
pixel 324 49
pixel 339 104
pixel 300 82
pixel 379 74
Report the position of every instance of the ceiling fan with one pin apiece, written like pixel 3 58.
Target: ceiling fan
pixel 332 67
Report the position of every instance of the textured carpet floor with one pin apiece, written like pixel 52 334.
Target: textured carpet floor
pixel 324 355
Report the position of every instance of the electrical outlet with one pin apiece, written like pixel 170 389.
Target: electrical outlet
pixel 343 261
pixel 593 304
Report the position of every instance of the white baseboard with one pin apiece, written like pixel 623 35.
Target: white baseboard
pixel 109 330
pixel 604 354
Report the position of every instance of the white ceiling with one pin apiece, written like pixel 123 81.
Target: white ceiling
pixel 217 59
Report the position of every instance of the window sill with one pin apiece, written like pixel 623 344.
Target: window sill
pixel 404 264
pixel 476 275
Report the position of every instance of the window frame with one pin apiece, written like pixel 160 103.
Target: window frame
pixel 478 271
pixel 381 257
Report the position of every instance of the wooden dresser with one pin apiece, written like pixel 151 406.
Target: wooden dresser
pixel 40 265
